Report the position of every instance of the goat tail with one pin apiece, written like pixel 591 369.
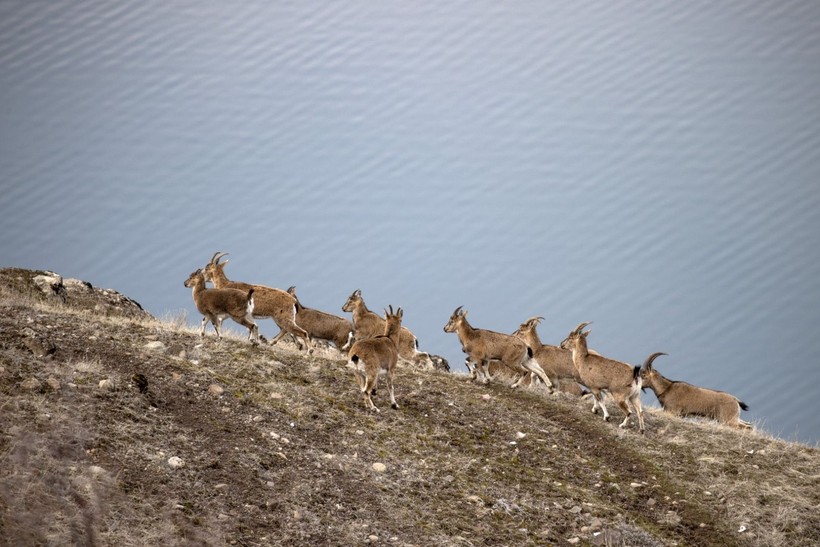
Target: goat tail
pixel 529 352
pixel 743 406
pixel 250 301
pixel 636 375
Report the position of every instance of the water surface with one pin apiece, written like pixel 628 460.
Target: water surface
pixel 651 167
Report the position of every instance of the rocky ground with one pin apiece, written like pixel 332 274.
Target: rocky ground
pixel 119 429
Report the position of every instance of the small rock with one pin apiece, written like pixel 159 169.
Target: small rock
pixel 276 395
pixel 275 435
pixel 373 538
pixel 175 462
pixel 520 435
pixel 486 397
pixel 220 486
pixel 96 470
pixel 741 529
pixel 222 516
pixel 39 347
pixel 707 493
pixel 359 432
pixel 635 484
pixel 106 384
pixel 257 418
pixel 379 467
pixel 216 390
pixel 51 285
pixel 30 385
pixel 596 524
pixel 156 346
pixel 53 383
pixel 474 499
pixel 651 502
pixel 575 509
pixel 573 541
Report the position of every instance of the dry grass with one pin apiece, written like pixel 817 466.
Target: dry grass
pixel 284 454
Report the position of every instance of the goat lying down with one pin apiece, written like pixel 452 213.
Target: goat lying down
pixel 682 399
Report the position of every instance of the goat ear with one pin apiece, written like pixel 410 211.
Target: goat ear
pixel 585 334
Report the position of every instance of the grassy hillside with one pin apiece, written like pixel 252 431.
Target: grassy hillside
pixel 120 429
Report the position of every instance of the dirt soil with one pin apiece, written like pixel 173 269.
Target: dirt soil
pixel 119 429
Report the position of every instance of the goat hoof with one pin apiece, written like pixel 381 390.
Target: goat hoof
pixel 395 406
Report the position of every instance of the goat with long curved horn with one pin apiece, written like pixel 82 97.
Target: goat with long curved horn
pixel 682 399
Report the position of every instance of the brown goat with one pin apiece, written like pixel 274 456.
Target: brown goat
pixel 375 355
pixel 556 362
pixel 682 399
pixel 216 304
pixel 483 346
pixel 368 324
pixel 274 303
pixel 621 380
pixel 321 325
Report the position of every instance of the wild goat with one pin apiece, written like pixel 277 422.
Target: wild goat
pixel 367 324
pixel 556 362
pixel 377 354
pixel 482 346
pixel 323 326
pixel 620 380
pixel 216 304
pixel 682 399
pixel 274 303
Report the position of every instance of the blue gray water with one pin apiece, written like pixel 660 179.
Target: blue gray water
pixel 649 166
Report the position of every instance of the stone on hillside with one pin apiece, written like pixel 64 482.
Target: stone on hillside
pixel 156 346
pixel 379 467
pixel 216 390
pixel 107 384
pixel 53 383
pixel 51 284
pixel 175 462
pixel 30 385
pixel 40 347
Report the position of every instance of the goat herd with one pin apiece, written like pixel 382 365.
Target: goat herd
pixel 375 344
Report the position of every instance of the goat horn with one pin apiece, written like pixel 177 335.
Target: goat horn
pixel 581 327
pixel 458 310
pixel 217 257
pixel 648 362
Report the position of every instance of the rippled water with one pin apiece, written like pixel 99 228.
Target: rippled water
pixel 651 167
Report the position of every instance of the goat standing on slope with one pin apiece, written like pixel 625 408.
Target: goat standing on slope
pixel 598 373
pixel 556 362
pixel 483 346
pixel 682 399
pixel 216 304
pixel 321 325
pixel 377 354
pixel 368 324
pixel 274 303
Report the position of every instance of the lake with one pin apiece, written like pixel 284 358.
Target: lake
pixel 650 167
